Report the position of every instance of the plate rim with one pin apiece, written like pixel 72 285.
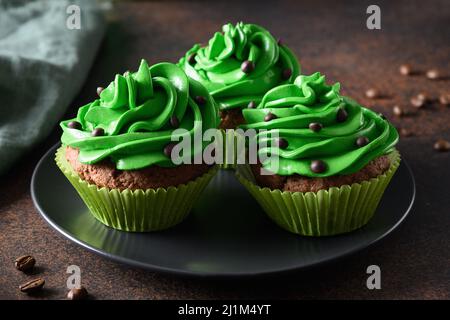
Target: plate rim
pixel 180 272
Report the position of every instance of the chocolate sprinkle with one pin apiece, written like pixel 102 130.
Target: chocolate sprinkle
pixel 315 126
pixel 168 149
pixel 318 166
pixel 269 116
pixel 286 74
pixel 97 132
pixel 191 59
pixel 74 125
pixel 247 66
pixel 99 90
pixel 341 115
pixel 362 141
pixel 251 105
pixel 174 122
pixel 442 145
pixel 200 99
pixel 281 143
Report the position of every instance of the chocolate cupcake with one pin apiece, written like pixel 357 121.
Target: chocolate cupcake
pixel 117 152
pixel 238 66
pixel 329 161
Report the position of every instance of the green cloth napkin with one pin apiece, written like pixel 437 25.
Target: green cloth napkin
pixel 43 64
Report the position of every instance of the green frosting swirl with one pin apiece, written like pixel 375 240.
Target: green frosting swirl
pixel 218 65
pixel 309 100
pixel 135 111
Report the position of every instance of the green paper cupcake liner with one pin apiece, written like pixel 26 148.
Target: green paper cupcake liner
pixel 136 210
pixel 323 213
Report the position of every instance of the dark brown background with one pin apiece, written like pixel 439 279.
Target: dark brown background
pixel 331 38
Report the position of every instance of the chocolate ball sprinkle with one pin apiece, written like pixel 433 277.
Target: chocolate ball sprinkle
pixel 269 116
pixel 433 74
pixel 405 70
pixel 442 145
pixel 286 74
pixel 97 132
pixel 397 111
pixel 341 115
pixel 405 132
pixel 318 166
pixel 372 93
pixel 74 125
pixel 247 66
pixel 77 294
pixel 281 143
pixel 362 141
pixel 99 90
pixel 168 149
pixel 174 122
pixel 191 59
pixel 315 126
pixel 200 100
pixel 444 99
pixel 251 105
pixel 418 101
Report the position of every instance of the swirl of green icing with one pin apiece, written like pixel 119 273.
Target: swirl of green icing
pixel 137 112
pixel 338 123
pixel 218 65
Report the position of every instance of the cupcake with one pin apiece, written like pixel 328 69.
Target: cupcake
pixel 328 159
pixel 238 66
pixel 119 152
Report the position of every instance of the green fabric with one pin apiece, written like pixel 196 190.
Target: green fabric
pixel 42 67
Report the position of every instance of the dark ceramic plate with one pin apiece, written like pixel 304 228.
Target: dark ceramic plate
pixel 227 233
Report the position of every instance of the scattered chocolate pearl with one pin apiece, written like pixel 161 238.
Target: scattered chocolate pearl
pixel 318 166
pixel 251 105
pixel 191 58
pixel 398 111
pixel 286 74
pixel 281 143
pixel 418 101
pixel 77 294
pixel 444 99
pixel 247 66
pixel 433 74
pixel 341 115
pixel 315 126
pixel 372 93
pixel 442 145
pixel 174 122
pixel 362 141
pixel 405 69
pixel 99 90
pixel 405 132
pixel 200 99
pixel 74 125
pixel 269 116
pixel 168 149
pixel 97 132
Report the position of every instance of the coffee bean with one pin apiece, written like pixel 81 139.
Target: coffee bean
pixel 405 132
pixel 251 105
pixel 362 141
pixel 99 90
pixel 247 66
pixel 417 102
pixel 174 122
pixel 341 115
pixel 286 74
pixel 318 166
pixel 200 100
pixel 315 126
pixel 74 125
pixel 433 74
pixel 398 111
pixel 442 145
pixel 281 143
pixel 372 93
pixel 191 59
pixel 97 132
pixel 168 149
pixel 269 116
pixel 444 99
pixel 405 70
pixel 77 294
pixel 25 263
pixel 32 286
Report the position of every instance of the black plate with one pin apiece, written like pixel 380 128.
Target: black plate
pixel 227 233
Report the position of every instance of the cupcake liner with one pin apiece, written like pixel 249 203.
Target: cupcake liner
pixel 323 213
pixel 136 210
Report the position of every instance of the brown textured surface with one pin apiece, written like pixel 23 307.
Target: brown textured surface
pixel 106 175
pixel 298 183
pixel 230 119
pixel 330 38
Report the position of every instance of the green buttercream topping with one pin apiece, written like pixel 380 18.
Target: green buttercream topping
pixel 310 100
pixel 134 111
pixel 218 65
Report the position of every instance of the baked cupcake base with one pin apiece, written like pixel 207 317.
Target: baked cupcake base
pixel 136 210
pixel 328 212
